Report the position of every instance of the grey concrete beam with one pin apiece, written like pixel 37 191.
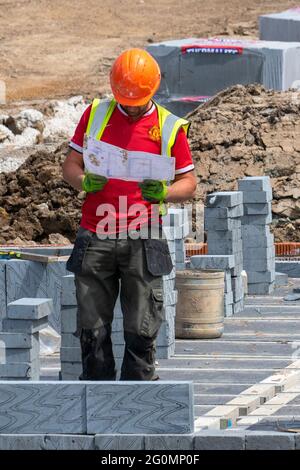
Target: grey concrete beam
pixel 158 408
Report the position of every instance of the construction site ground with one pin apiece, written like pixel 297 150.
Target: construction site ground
pixel 58 49
pixel 261 342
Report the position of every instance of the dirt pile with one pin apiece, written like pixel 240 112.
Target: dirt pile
pixel 250 131
pixel 243 131
pixel 35 202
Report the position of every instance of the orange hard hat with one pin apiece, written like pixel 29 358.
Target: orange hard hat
pixel 134 77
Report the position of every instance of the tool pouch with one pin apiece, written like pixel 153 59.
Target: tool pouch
pixel 83 239
pixel 159 261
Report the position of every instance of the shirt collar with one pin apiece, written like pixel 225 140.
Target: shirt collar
pixel 151 110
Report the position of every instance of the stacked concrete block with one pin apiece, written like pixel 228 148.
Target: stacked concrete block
pixel 282 26
pixel 258 242
pixel 35 279
pixel 2 292
pixel 70 353
pixel 25 318
pixel 222 221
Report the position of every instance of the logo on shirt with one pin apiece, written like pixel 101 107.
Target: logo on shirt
pixel 154 133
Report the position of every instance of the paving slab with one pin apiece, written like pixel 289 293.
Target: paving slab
pixel 42 407
pixel 46 442
pixel 132 407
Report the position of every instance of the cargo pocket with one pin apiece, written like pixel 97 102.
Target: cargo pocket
pixel 159 261
pixel 83 239
pixel 154 315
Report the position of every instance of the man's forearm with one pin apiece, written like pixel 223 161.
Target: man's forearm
pixel 73 172
pixel 181 191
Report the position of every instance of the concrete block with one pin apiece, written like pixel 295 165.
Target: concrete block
pixel 68 319
pixel 267 264
pixel 118 350
pixel 68 340
pixel 219 440
pixel 172 274
pixel 54 274
pixel 70 354
pixel 29 309
pixel 170 298
pixel 46 442
pixel 68 291
pixel 25 279
pixel 212 262
pixel 260 289
pixel 238 307
pixel 175 217
pixel 166 335
pixel 17 340
pixel 228 298
pixel 281 279
pixel 24 326
pixel 181 266
pixel 291 268
pixel 255 183
pixel 261 241
pixel 3 301
pixel 117 325
pixel 29 370
pixel 228 310
pixel 119 442
pixel 224 212
pixel 257 197
pixel 256 219
pixel 256 277
pixel 15 356
pixel 176 233
pixel 224 247
pixel 70 376
pixel 257 209
pixel 236 270
pixel 264 440
pixel 170 442
pixel 211 224
pixel 117 337
pixel 74 367
pixel 159 407
pixel 168 285
pixel 165 352
pixel 259 253
pixel 224 199
pixel 42 407
pixel 219 236
pixel 250 231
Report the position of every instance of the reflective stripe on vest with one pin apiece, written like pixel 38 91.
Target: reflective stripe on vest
pixel 169 124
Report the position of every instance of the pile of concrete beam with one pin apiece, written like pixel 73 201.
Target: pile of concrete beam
pixel 190 67
pixel 70 353
pixel 222 220
pixel 19 358
pixel 282 26
pixel 258 242
pixel 22 278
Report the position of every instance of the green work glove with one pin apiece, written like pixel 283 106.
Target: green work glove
pixel 92 183
pixel 153 191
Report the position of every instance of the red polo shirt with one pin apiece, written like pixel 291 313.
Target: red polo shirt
pixel 141 135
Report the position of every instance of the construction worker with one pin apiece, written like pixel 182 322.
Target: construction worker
pixel 131 121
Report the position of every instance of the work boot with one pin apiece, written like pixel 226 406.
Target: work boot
pixel 97 355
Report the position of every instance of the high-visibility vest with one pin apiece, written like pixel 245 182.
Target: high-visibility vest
pixel 169 125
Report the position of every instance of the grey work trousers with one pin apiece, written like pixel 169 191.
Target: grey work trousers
pixel 108 266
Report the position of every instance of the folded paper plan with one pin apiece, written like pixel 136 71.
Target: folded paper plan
pixel 113 162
